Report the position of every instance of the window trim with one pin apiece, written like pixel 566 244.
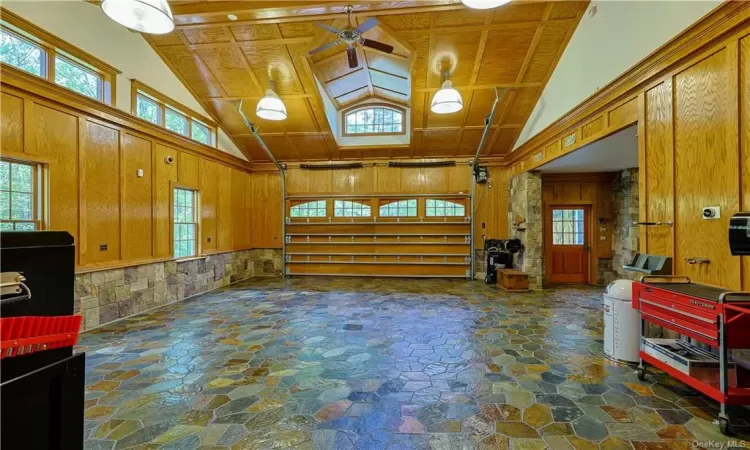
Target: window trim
pixel 294 203
pixel 139 88
pixel 356 108
pixel 197 216
pixel 38 192
pixel 52 46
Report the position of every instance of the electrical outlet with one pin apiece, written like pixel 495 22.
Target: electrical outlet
pixel 711 212
pixel 102 247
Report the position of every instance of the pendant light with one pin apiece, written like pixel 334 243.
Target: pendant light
pixel 146 16
pixel 484 4
pixel 447 99
pixel 271 107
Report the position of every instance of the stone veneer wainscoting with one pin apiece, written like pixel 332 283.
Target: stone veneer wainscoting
pixel 526 201
pixel 107 295
pixel 625 240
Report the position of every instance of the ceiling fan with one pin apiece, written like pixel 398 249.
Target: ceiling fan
pixel 352 36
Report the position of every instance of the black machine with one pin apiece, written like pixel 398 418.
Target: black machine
pixel 739 234
pixel 41 393
pixel 499 252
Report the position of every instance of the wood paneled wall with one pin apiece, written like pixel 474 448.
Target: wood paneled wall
pixel 692 104
pixel 377 178
pixel 94 192
pixel 592 189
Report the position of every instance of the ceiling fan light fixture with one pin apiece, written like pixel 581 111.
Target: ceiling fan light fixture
pixel 484 4
pixel 447 100
pixel 271 107
pixel 145 16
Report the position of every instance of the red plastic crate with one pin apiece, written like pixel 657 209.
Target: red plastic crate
pixel 30 334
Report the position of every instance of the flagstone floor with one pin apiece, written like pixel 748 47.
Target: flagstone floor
pixel 323 363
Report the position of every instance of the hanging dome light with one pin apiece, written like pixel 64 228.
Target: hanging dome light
pixel 484 4
pixel 271 107
pixel 146 16
pixel 447 100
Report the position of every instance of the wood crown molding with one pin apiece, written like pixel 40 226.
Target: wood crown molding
pixel 724 20
pixel 65 99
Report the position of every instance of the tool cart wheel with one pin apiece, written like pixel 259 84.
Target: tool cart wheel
pixel 642 373
pixel 724 426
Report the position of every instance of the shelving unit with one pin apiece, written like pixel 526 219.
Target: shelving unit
pixel 375 245
pixel 706 314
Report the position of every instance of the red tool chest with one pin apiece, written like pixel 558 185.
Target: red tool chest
pixel 709 315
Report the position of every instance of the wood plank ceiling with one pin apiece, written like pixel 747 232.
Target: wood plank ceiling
pixel 221 61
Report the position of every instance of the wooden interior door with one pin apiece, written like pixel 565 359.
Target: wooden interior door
pixel 567 240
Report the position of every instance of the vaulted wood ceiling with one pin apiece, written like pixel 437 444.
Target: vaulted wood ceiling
pixel 222 62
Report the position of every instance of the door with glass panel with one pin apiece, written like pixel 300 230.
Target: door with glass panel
pixel 567 244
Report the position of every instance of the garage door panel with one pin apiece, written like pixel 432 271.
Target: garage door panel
pixel 379 270
pixel 380 248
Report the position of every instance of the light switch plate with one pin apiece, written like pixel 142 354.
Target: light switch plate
pixel 139 172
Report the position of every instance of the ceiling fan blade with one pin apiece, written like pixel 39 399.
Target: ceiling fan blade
pixel 325 26
pixel 367 25
pixel 324 47
pixel 377 45
pixel 351 55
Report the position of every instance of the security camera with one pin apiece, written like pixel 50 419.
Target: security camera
pixel 711 212
pixel 169 160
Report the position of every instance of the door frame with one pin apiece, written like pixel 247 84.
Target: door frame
pixel 588 218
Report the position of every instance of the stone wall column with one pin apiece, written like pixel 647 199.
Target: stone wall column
pixel 526 201
pixel 625 237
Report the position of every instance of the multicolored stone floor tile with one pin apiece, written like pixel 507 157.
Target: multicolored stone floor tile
pixel 321 363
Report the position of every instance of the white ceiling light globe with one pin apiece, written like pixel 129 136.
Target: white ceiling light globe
pixel 271 107
pixel 146 16
pixel 484 4
pixel 447 100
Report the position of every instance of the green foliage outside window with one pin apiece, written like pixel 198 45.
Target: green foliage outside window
pixel 201 133
pixel 16 196
pixel 77 78
pixel 20 53
pixel 147 109
pixel 175 121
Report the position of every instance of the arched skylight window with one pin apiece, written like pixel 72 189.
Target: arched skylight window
pixel 374 120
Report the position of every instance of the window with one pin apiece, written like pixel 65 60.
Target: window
pixel 147 109
pixel 185 223
pixel 27 47
pixel 18 197
pixel 374 120
pixel 444 208
pixel 567 227
pixel 150 105
pixel 401 208
pixel 346 208
pixel 201 133
pixel 21 53
pixel 175 121
pixel 77 78
pixel 309 209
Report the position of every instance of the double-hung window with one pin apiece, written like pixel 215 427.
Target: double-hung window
pixel 185 225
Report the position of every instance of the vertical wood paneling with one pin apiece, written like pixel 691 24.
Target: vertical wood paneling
pixel 703 125
pixel 100 192
pixel 11 123
pixel 164 175
pixel 744 89
pixel 659 172
pixel 209 180
pixel 224 209
pixel 240 228
pixel 54 134
pixel 188 170
pixel 137 208
pixel 265 226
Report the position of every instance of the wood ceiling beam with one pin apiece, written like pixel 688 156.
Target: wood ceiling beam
pixel 239 44
pixel 534 44
pixel 490 27
pixel 295 15
pixel 256 97
pixel 484 86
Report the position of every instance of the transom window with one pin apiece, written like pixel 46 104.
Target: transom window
pixel 567 227
pixel 27 47
pixel 150 105
pixel 315 208
pixel 444 208
pixel 346 208
pixel 374 120
pixel 18 196
pixel 185 223
pixel 400 208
